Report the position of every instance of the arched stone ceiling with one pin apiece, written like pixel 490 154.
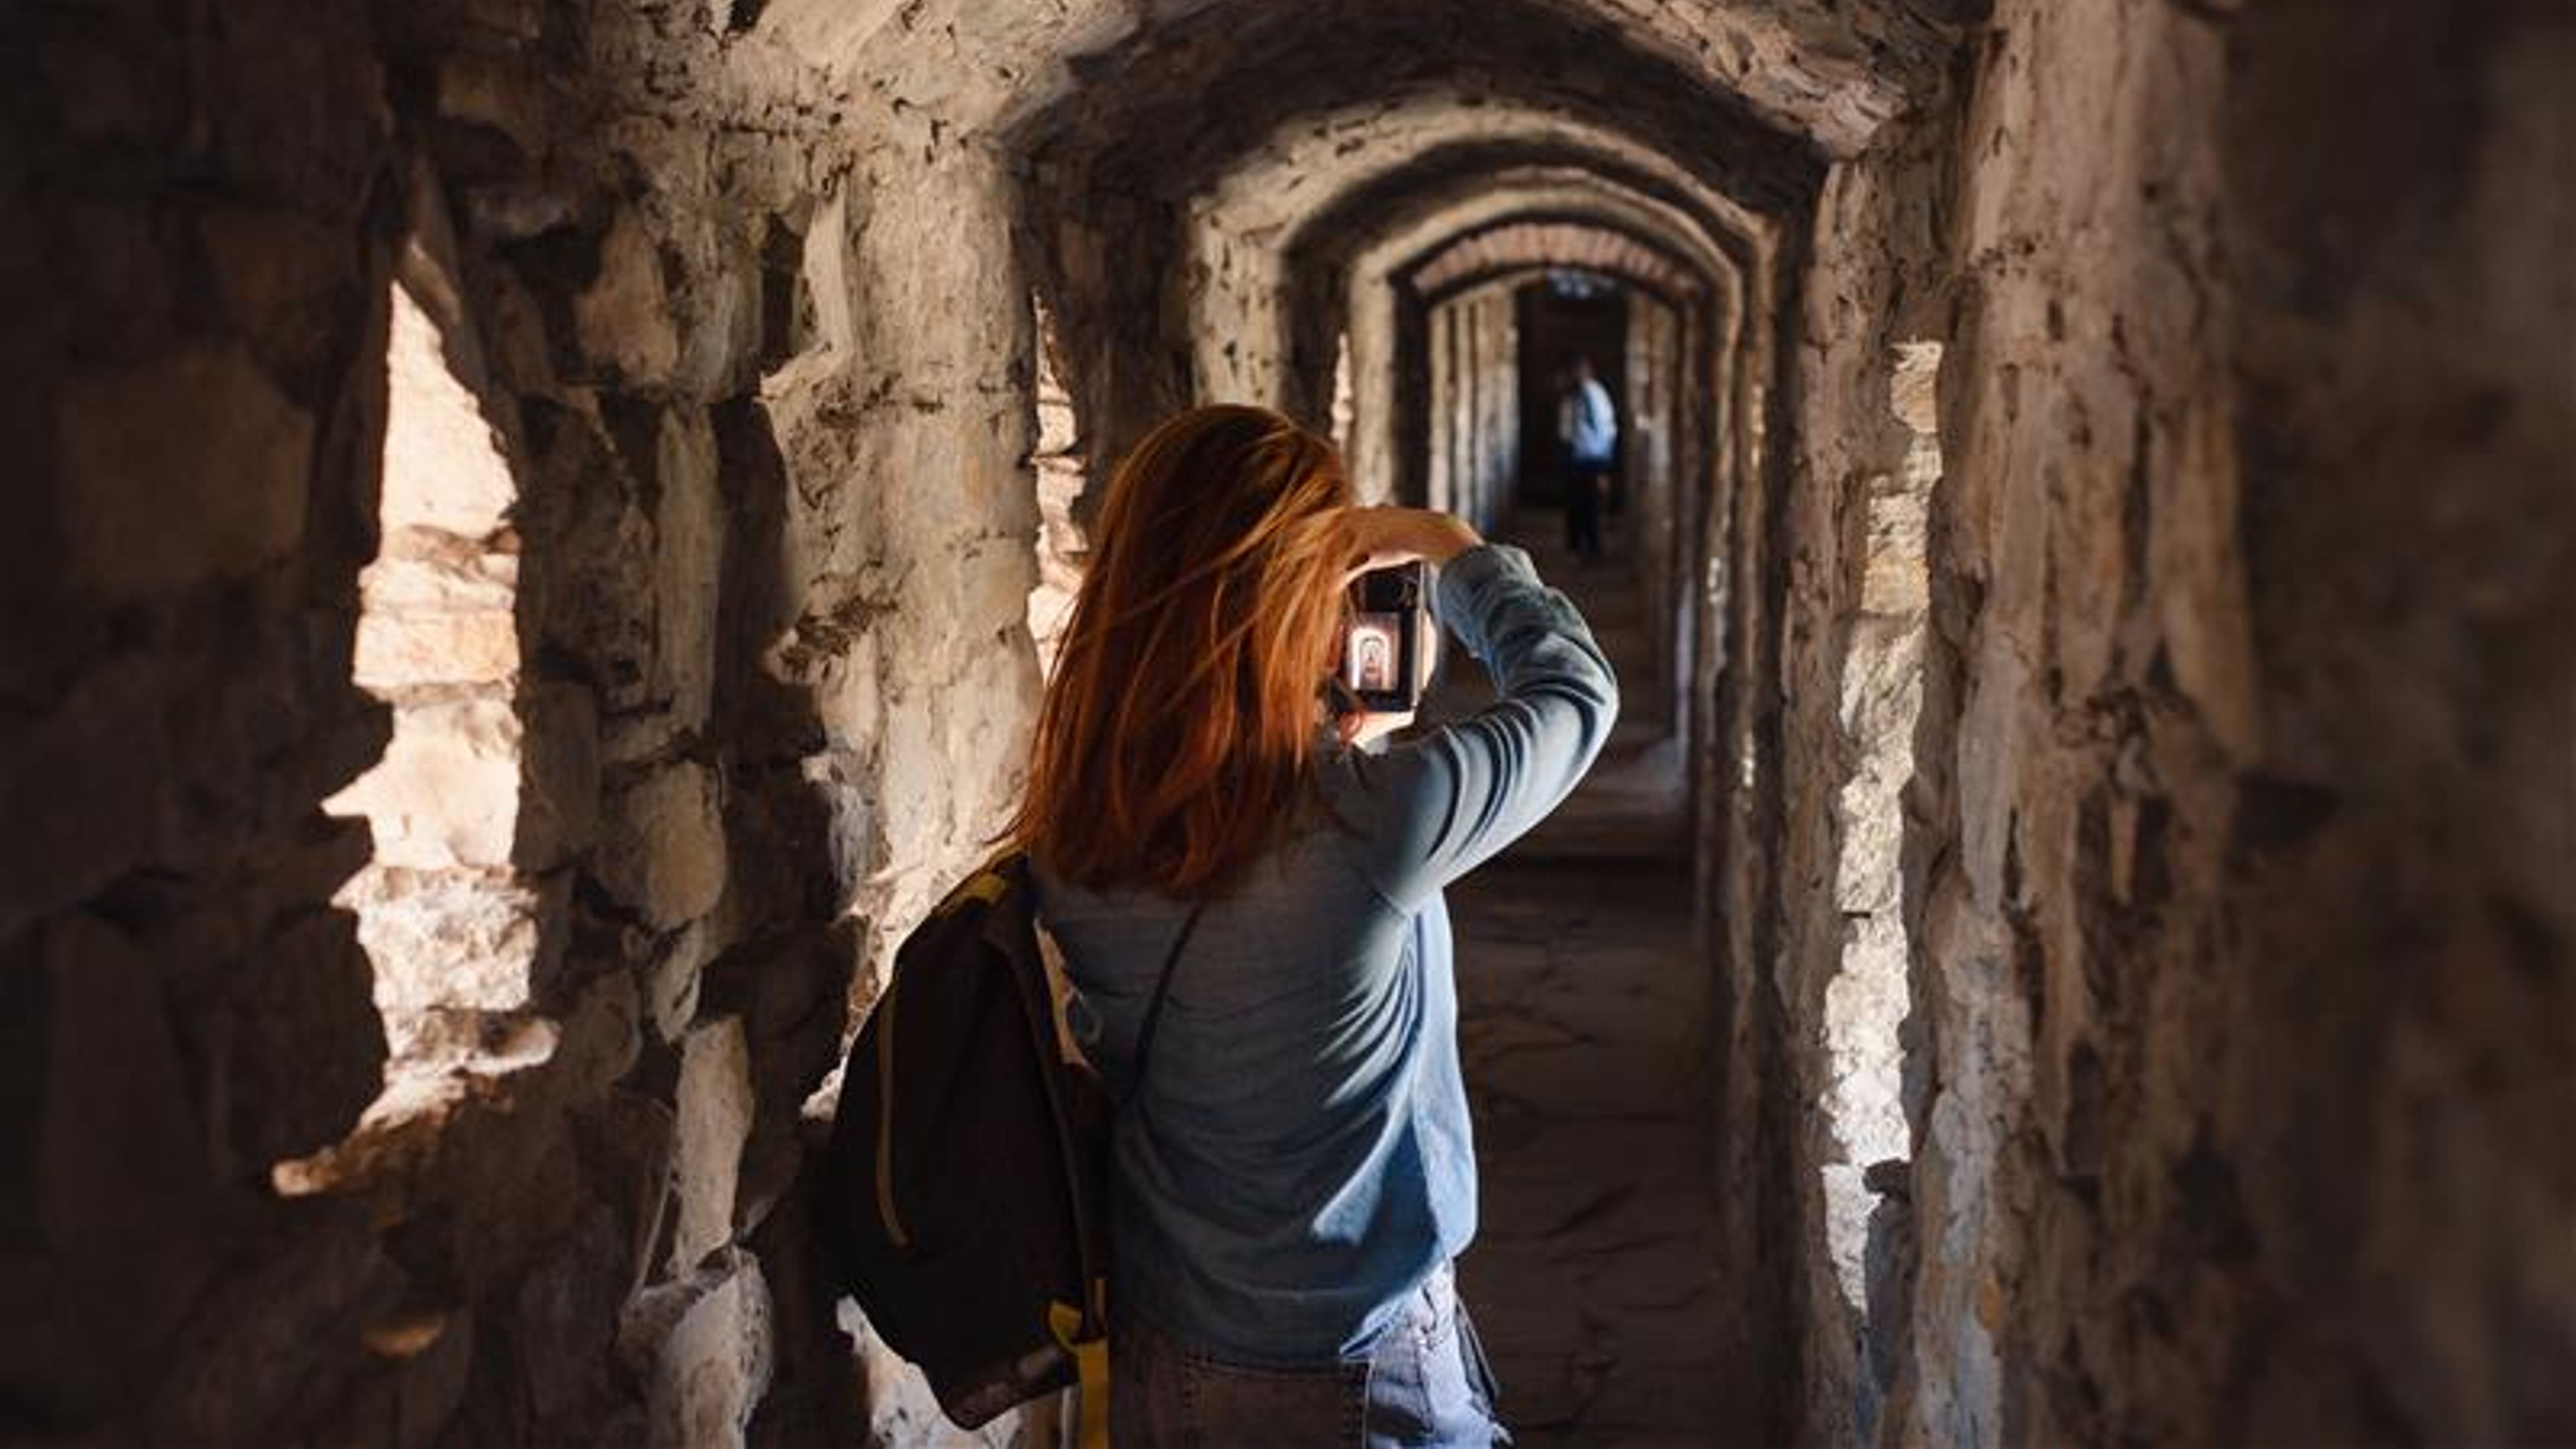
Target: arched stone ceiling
pixel 1186 104
pixel 1347 266
pixel 1521 246
pixel 1429 220
pixel 1431 215
pixel 1409 138
pixel 1330 183
pixel 1163 189
pixel 1830 71
pixel 1354 279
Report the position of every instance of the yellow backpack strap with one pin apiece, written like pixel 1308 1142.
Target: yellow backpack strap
pixel 985 885
pixel 1091 1369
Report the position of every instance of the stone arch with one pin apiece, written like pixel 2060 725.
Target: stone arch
pixel 1268 237
pixel 1535 243
pixel 1316 283
pixel 1379 283
pixel 1507 248
pixel 1833 73
pixel 1089 157
pixel 1718 356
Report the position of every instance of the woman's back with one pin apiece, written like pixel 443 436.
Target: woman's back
pixel 1299 1158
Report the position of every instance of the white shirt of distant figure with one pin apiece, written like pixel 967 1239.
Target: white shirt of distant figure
pixel 1586 421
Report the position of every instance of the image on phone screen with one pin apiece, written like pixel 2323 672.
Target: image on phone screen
pixel 1383 643
pixel 1376 642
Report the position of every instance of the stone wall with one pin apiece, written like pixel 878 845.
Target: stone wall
pixel 1850 644
pixel 1660 453
pixel 2243 894
pixel 727 673
pixel 195 356
pixel 1474 362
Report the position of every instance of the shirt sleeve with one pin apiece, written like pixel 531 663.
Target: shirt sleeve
pixel 1433 808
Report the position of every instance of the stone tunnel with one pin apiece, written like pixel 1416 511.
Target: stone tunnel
pixel 535 530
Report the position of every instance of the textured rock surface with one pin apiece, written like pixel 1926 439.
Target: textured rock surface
pixel 609 356
pixel 1854 615
pixel 2245 902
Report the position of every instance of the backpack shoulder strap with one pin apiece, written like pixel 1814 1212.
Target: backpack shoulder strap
pixel 1154 1007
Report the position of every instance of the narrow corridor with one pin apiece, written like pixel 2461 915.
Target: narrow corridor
pixel 1584 1027
pixel 539 531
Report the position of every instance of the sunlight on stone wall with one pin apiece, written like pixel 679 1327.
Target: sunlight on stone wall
pixel 1866 1002
pixel 443 913
pixel 1060 481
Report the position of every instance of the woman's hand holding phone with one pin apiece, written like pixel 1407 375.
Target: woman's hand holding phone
pixel 1391 638
pixel 1385 536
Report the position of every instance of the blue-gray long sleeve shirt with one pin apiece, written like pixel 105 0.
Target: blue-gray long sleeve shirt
pixel 1298 1158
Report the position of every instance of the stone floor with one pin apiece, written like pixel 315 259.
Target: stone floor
pixel 1593 1277
pixel 1584 1026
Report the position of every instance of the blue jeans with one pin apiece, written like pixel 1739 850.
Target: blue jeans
pixel 1424 1382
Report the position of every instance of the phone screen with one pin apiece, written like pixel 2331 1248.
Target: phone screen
pixel 1381 649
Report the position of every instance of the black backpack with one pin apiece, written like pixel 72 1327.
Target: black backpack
pixel 966 1187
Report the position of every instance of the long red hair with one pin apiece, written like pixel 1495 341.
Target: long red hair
pixel 1175 741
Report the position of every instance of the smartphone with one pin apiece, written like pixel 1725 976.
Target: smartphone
pixel 1382 646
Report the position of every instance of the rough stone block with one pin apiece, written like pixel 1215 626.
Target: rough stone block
pixel 283 279
pixel 182 469
pixel 671 986
pixel 567 1316
pixel 449 938
pixel 106 1180
pixel 445 467
pixel 501 92
pixel 848 701
pixel 715 1364
pixel 724 329
pixel 439 620
pixel 244 1361
pixel 595 601
pixel 665 854
pixel 624 320
pixel 601 1037
pixel 82 787
pixel 690 529
pixel 296 1050
pixel 559 803
pixel 715 1116
pixel 426 1364
pixel 447 791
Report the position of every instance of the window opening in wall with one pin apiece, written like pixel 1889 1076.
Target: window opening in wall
pixel 449 922
pixel 1882 692
pixel 1061 548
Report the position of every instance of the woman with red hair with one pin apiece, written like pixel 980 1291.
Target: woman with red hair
pixel 1295 1169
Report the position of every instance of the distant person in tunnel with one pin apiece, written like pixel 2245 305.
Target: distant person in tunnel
pixel 1587 428
pixel 1216 827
